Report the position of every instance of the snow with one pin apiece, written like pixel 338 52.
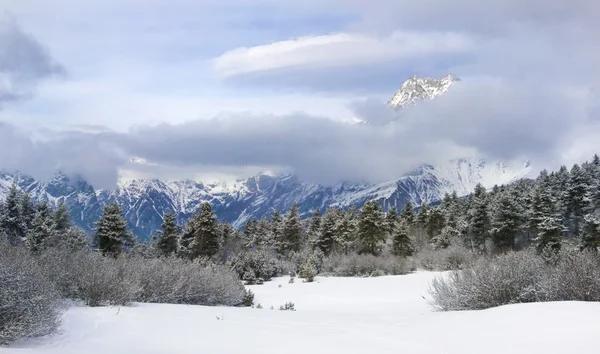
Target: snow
pixel 333 315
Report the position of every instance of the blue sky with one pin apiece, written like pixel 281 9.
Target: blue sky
pixel 102 71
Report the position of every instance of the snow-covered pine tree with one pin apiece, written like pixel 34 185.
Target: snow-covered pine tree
pixel 435 222
pixel 12 223
pixel 423 216
pixel 112 234
pixel 328 231
pixel 168 238
pixel 42 232
pixel 62 217
pixel 372 231
pixel 479 219
pixel 391 219
pixel 345 235
pixel 292 231
pixel 249 231
pixel 590 239
pixel 314 229
pixel 506 222
pixel 276 230
pixel 408 214
pixel 575 200
pixel 206 237
pixel 27 210
pixel 550 233
pixel 401 243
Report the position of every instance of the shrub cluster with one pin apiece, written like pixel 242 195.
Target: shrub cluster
pixel 519 277
pixel 258 266
pixel 364 265
pixel 455 257
pixel 29 303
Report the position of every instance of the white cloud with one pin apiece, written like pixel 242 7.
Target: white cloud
pixel 341 49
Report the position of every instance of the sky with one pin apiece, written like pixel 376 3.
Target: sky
pixel 212 90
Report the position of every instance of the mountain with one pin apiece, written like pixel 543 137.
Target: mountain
pixel 144 202
pixel 420 88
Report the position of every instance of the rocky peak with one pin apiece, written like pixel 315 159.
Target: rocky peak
pixel 419 88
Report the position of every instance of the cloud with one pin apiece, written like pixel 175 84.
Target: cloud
pixel 335 50
pixel 24 62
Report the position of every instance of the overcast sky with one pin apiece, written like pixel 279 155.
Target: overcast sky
pixel 207 89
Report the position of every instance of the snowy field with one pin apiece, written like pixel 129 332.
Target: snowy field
pixel 333 315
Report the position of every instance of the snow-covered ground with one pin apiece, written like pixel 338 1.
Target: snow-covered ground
pixel 333 315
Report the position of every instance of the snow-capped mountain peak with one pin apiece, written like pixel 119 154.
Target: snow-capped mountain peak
pixel 419 88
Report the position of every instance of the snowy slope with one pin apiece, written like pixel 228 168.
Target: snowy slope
pixel 334 315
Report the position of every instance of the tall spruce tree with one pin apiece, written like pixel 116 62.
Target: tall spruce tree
pixel 575 199
pixel 590 239
pixel 314 229
pixel 506 222
pixel 479 220
pixel 167 241
pixel 372 230
pixel 201 234
pixel 276 229
pixel 12 223
pixel 27 210
pixel 345 235
pixel 435 222
pixel 401 243
pixel 292 231
pixel 327 234
pixel 112 234
pixel 391 219
pixel 62 218
pixel 408 214
pixel 42 231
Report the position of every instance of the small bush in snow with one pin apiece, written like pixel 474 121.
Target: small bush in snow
pixel 29 303
pixel 308 271
pixel 364 265
pixel 288 306
pixel 249 299
pixel 259 306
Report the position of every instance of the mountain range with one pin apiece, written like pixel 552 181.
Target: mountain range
pixel 145 201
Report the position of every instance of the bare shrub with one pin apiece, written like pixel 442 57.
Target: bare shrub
pixel 519 277
pixel 454 257
pixel 364 265
pixel 29 303
pixel 178 281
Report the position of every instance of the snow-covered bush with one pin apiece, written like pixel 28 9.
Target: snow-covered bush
pixel 307 271
pixel 452 258
pixel 29 303
pixel 364 265
pixel 256 266
pixel 178 281
pixel 519 277
pixel 288 306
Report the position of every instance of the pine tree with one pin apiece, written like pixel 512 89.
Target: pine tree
pixel 13 224
pixel 391 219
pixel 423 215
pixel 314 229
pixel 168 238
pixel 506 222
pixel 276 230
pixel 27 211
pixel 408 214
pixel 112 234
pixel 372 231
pixel 435 222
pixel 575 200
pixel 42 232
pixel 479 219
pixel 62 218
pixel 328 231
pixel 590 239
pixel 345 235
pixel 201 236
pixel 292 231
pixel 76 239
pixel 249 231
pixel 550 233
pixel 401 243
